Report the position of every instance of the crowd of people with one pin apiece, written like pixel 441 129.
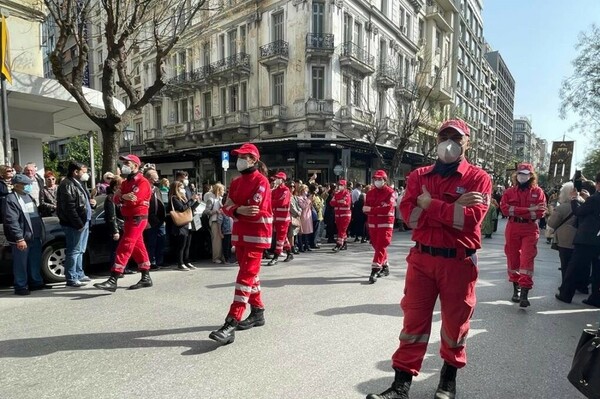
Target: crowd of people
pixel 449 206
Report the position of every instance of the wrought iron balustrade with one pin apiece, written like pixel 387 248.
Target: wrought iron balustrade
pixel 320 41
pixel 279 47
pixel 352 50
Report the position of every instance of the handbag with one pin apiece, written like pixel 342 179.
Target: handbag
pixel 585 370
pixel 181 218
pixel 554 242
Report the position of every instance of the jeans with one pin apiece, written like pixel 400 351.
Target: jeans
pixel 320 227
pixel 27 264
pixel 76 245
pixel 155 238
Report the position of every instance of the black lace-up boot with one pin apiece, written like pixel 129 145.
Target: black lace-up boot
pixel 110 284
pixel 515 297
pixel 256 318
pixel 226 334
pixel 144 282
pixel 447 386
pixel 399 388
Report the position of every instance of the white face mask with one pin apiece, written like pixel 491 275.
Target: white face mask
pixel 186 182
pixel 242 164
pixel 277 182
pixel 379 183
pixel 125 170
pixel 521 178
pixel 84 177
pixel 341 188
pixel 449 151
pixel 182 191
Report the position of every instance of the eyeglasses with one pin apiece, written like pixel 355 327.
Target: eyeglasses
pixel 50 178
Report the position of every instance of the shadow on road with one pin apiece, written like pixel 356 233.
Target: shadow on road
pixel 300 281
pixel 43 346
pixel 375 309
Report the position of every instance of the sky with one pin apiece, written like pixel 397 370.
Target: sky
pixel 537 39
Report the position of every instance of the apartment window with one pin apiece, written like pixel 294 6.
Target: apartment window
pixel 357 34
pixel 318 17
pixel 346 91
pixel 182 62
pixel 232 35
pixel 233 98
pixel 408 26
pixel 221 46
pixel 438 40
pixel 381 104
pixel 357 92
pixel 206 54
pixel 207 102
pixel 223 100
pixel 384 7
pixel 318 83
pixel 382 53
pixel 243 96
pixel 278 93
pixel 347 28
pixel 139 139
pixel 278 25
pixel 175 114
pixel 158 117
pixel 242 39
pixel 421 30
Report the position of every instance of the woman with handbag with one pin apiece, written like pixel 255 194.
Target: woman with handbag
pixel 295 212
pixel 249 203
pixel 306 219
pixel 565 226
pixel 214 212
pixel 181 209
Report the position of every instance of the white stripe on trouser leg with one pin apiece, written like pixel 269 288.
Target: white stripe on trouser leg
pixel 256 289
pixel 239 298
pixel 243 288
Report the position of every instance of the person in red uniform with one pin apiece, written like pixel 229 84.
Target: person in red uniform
pixel 134 198
pixel 249 204
pixel 379 207
pixel 445 204
pixel 281 197
pixel 524 203
pixel 341 203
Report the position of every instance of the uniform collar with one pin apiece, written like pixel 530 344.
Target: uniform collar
pixel 462 168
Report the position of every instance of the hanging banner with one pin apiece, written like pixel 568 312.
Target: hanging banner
pixel 560 161
pixel 5 51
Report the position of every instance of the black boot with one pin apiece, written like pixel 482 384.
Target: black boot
pixel 447 386
pixel 523 300
pixel 226 334
pixel 289 257
pixel 344 246
pixel 399 388
pixel 336 248
pixel 255 319
pixel 144 282
pixel 515 297
pixel 385 271
pixel 373 276
pixel 110 284
pixel 273 261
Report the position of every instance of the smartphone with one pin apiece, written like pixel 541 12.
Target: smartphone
pixel 577 184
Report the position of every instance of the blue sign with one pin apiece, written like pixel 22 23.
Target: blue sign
pixel 224 155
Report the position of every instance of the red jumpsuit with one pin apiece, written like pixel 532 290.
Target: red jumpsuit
pixel 135 214
pixel 522 232
pixel 281 217
pixel 251 235
pixel 443 263
pixel 381 202
pixel 341 202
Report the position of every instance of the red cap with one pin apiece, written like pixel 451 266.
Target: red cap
pixel 132 158
pixel 342 183
pixel 456 124
pixel 247 148
pixel 525 168
pixel 380 174
pixel 280 175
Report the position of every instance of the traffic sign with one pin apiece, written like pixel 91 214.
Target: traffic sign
pixel 225 164
pixel 225 156
pixel 338 169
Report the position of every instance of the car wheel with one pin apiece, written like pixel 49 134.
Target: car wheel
pixel 53 262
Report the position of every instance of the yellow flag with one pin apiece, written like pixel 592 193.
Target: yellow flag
pixel 5 51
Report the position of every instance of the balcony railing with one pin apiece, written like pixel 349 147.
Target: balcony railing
pixel 274 112
pixel 323 41
pixel 314 106
pixel 276 48
pixel 239 60
pixel 350 49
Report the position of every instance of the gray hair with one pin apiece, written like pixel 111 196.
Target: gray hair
pixel 565 192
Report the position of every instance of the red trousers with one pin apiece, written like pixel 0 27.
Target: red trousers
pixel 342 224
pixel 520 250
pixel 427 277
pixel 132 245
pixel 247 284
pixel 381 238
pixel 282 243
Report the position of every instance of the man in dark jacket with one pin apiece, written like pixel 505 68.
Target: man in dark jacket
pixel 154 235
pixel 587 248
pixel 74 211
pixel 24 231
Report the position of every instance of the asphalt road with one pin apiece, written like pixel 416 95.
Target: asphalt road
pixel 328 335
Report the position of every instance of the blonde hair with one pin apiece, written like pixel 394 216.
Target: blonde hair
pixel 533 182
pixel 218 187
pixel 174 190
pixel 565 192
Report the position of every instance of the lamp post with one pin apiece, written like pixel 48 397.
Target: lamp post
pixel 128 136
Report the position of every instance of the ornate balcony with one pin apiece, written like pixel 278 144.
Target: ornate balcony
pixel 154 138
pixel 238 120
pixel 357 58
pixel 275 53
pixel 356 117
pixel 435 12
pixel 406 90
pixel 273 114
pixel 386 76
pixel 234 66
pixel 319 45
pixel 177 130
pixel 319 113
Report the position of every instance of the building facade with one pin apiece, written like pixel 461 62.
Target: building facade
pixel 523 147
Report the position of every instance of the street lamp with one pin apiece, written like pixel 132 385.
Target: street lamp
pixel 128 136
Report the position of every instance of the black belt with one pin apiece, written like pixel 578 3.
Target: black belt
pixel 443 252
pixel 520 220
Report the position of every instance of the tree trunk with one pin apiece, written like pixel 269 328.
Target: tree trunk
pixel 110 147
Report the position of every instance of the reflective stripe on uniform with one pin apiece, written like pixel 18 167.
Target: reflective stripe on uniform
pixel 256 239
pixel 414 338
pixel 282 209
pixel 386 225
pixel 511 211
pixel 513 271
pixel 256 289
pixel 282 219
pixel 414 217
pixel 243 288
pixel 144 264
pixel 451 343
pixel 371 225
pixel 240 298
pixel 458 221
pixel 526 272
pixel 265 220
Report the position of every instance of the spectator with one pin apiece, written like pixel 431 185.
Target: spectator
pixel 359 220
pixel 565 227
pixel 111 216
pixel 103 185
pixel 215 218
pixel 356 192
pixel 226 229
pixel 182 234
pixel 329 216
pixel 306 219
pixel 295 212
pixel 48 206
pixel 6 175
pixel 24 231
pixel 30 170
pixel 74 212
pixel 318 225
pixel 154 236
pixel 164 190
pixel 487 227
pixel 182 177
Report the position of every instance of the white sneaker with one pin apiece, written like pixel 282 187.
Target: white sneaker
pixel 190 266
pixel 183 268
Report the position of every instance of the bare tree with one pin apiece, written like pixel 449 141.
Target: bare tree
pixel 151 27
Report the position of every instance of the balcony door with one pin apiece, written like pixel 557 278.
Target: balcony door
pixel 318 17
pixel 278 25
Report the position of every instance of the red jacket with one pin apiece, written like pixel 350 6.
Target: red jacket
pixel 281 198
pixel 382 202
pixel 516 202
pixel 341 202
pixel 445 224
pixel 140 186
pixel 251 231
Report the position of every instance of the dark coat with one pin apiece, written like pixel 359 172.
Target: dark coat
pixel 111 215
pixel 358 217
pixel 181 206
pixel 588 218
pixel 17 224
pixel 4 191
pixel 156 213
pixel 71 204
